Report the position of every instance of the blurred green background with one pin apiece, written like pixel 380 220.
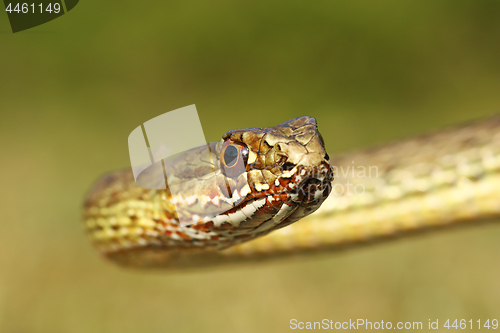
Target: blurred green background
pixel 73 89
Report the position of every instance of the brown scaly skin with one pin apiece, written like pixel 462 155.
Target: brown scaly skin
pixel 287 177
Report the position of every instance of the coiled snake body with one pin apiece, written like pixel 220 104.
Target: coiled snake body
pixel 426 182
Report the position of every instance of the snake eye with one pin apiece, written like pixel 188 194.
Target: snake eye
pixel 230 156
pixel 234 158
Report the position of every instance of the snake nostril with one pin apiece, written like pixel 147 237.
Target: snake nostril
pixel 287 166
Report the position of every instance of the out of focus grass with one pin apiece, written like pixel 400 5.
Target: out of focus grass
pixel 73 89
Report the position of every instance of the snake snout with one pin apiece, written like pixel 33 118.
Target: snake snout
pixel 316 183
pixel 310 189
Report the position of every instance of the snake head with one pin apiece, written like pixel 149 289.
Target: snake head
pixel 287 172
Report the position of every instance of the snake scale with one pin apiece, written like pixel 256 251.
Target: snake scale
pixel 430 181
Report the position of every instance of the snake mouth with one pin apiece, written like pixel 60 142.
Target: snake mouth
pixel 313 183
pixel 311 189
pixel 299 193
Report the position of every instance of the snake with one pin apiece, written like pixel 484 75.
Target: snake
pixel 266 193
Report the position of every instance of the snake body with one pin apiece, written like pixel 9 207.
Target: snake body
pixel 421 183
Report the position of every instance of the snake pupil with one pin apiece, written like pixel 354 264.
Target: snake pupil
pixel 230 156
